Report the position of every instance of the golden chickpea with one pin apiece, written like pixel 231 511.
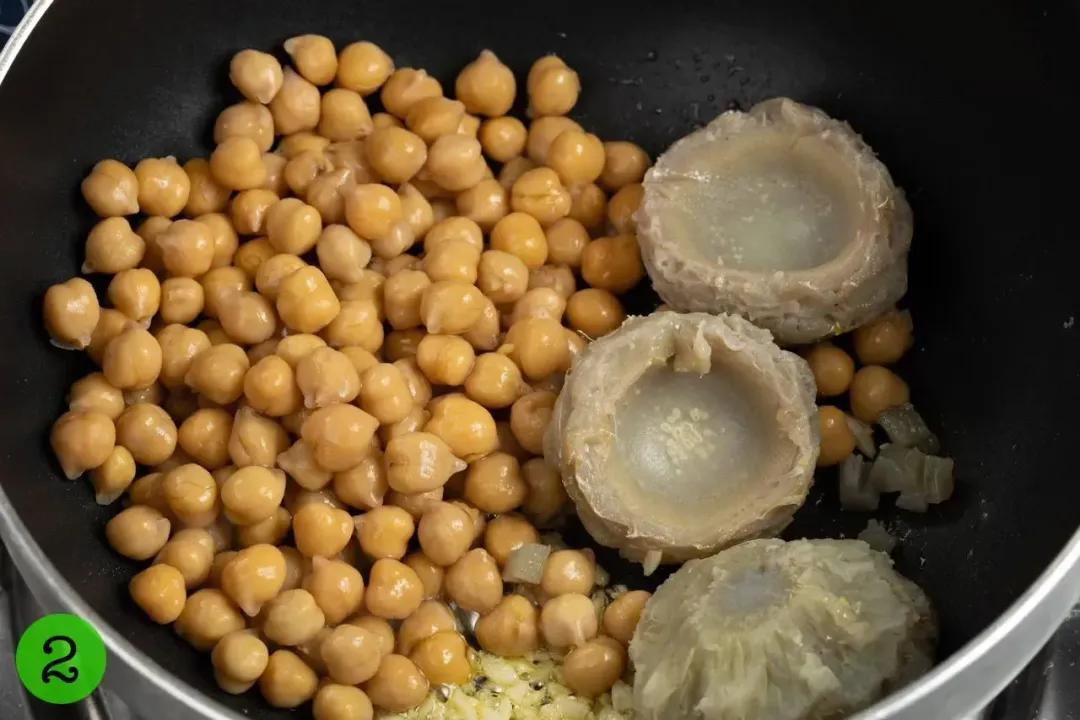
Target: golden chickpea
pixel 358 326
pixel 557 277
pixel 456 162
pixel 474 582
pixel 351 654
pixel 566 242
pixel 433 117
pixel 256 440
pixel 325 194
pixel 208 616
pixel 419 462
pixel 454 228
pixel 503 138
pixel 270 531
pixel 443 658
pixel 398 686
pixel 450 306
pixel 445 359
pixel 452 260
pixel 529 418
pixel 111 323
pixel 326 376
pixel 385 394
pixel 239 658
pixel 494 483
pixel 112 246
pixel 378 627
pixel 624 164
pixel 147 491
pixel 248 211
pixel 149 230
pixel 511 629
pixel 394 591
pixel 246 119
pixel 372 210
pixel 445 533
pixel 875 389
pixel 111 189
pixel 592 669
pixel 419 387
pixel 292 226
pixel 254 577
pixel 568 571
pixel 249 318
pixel 486 86
pixel 271 272
pixel 72 312
pixel 270 387
pixel 152 394
pixel 622 615
pixel 505 534
pixel 539 193
pixel 187 248
pixel 384 532
pixel 342 254
pixel 430 574
pixel 221 284
pixel 466 426
pixel 502 276
pixel 204 435
pixel 568 621
pixel 257 75
pixel 401 344
pixel 306 302
pixel 552 86
pixel 287 681
pixel 292 618
pixel 252 494
pixel 588 205
pixel 237 164
pixel 137 532
pixel 832 367
pixel 163 186
pixel 576 156
pixel 181 300
pixel 218 373
pixel 314 57
pixel 294 348
pixel 594 312
pixel 95 393
pixel 396 154
pixel 522 236
pixel 147 432
pixel 539 302
pixel 275 173
pixel 191 494
pixel 363 67
pixel 385 119
pixel 486 203
pixel 837 439
pixel 542 132
pixel 344 115
pixel 340 435
pixel 303 141
pixel 538 346
pixel 622 206
pixel 547 496
pixel 296 106
pixel 159 591
pixel 363 486
pixel 612 263
pixel 884 340
pixel 405 87
pixel 495 381
pixel 299 462
pixel 338 588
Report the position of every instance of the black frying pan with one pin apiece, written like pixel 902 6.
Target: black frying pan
pixel 972 105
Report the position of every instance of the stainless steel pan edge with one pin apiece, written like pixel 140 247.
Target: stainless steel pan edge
pixel 957 688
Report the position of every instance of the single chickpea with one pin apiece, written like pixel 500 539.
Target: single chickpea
pixel 456 162
pixel 454 228
pixel 622 615
pixel 351 654
pixel 363 486
pixel 378 627
pixel 612 263
pixel 239 658
pixel 326 376
pixel 486 86
pixel 204 435
pixel 299 462
pixel 445 359
pixel 568 621
pixel 837 439
pixel 389 248
pixel 402 344
pixel 494 483
pixel 252 494
pixel 341 702
pixel 340 435
pixel 271 272
pixel 270 387
pixel 181 300
pixel 163 186
pixel 338 588
pixel 873 390
pixel 159 591
pixel 542 132
pixel 292 618
pixel 112 246
pixel 325 194
pixel 539 193
pixel 495 381
pixel 137 532
pixel 529 418
pixel 342 254
pixel 538 346
pixel 505 534
pixel 384 532
pixel 302 141
pixel 832 367
pixel 552 86
pixel 884 340
pixel 568 571
pixel 405 87
pixel 292 226
pixel 415 210
pixel 218 373
pixel 443 658
pixel 72 312
pixel 385 119
pixel 416 504
pixel 95 393
pixel 344 115
pixel 257 75
pixel 111 189
pixel 306 302
pixel 445 533
pixel 419 387
pixel 153 394
pixel 296 106
pixel 187 248
pixel 503 138
pixel 394 591
pixel 486 203
pixel 622 206
pixel 514 169
pixel 219 286
pixel 512 629
pixel 430 574
pixel 256 440
pixel 246 119
pixel 521 235
pixel 547 496
pixel 502 276
pixel 254 577
pixel 363 67
pixel 191 494
pixel 577 157
pixel 566 242
pixel 557 277
pixel 248 211
pixel 450 307
pixel 372 210
pixel 275 173
pixel 434 117
pixel 147 432
pixel 539 302
pixel 466 426
pixel 314 57
pixel 396 154
pixel 474 582
pixel 287 681
pixel 270 531
pixel 110 324
pixel 237 164
pixel 208 616
pixel 588 205
pixel 452 260
pixel 385 394
pixel 147 491
pixel 419 462
pixel 398 686
pixel 624 164
pixel 592 669
pixel 112 478
pixel 249 318
pixel 594 312
pixel 430 618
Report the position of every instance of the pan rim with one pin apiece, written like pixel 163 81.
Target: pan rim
pixel 965 683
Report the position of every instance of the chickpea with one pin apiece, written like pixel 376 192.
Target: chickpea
pixel 147 432
pixel 552 86
pixel 341 702
pixel 204 435
pixel 191 552
pixel 433 117
pixel 299 462
pixel 95 393
pixel 246 119
pixel 191 494
pixel 254 577
pixel 292 618
pixel 296 106
pixel 445 533
pixel 358 325
pixel 306 302
pixel 431 618
pixel 340 435
pixel 445 359
pixel 576 156
pixel 547 496
pixel 384 394
pixel 514 169
pixel 450 306
pixel 270 387
pixel 372 210
pixel 111 189
pixel 363 486
pixel 163 186
pixel 248 211
pixel 624 164
pixel 419 462
pixel 384 532
pixel 218 373
pixel 301 142
pixel 884 340
pixel 494 483
pixel 405 87
pixel 832 367
pixel 443 658
pixel 593 668
pixel 622 615
pixel 875 389
pixel 152 394
pixel 338 588
pixel 112 246
pixel 486 86
pixel 270 531
pixel 252 494
pixel 539 193
pixel 539 302
pixel 257 75
pixel 239 658
pixel 292 226
pixel 837 439
pixel 594 312
pixel 588 205
pixel 248 318
pixel 72 313
pixel 542 132
pixel 566 242
pixel 314 57
pixel 237 164
pixel 363 67
pixel 344 115
pixel 501 276
pixel 474 582
pixel 287 681
pixel 159 591
pixel 456 162
pixel 181 300
pixel 503 138
pixel 529 418
pixel 452 260
pixel 394 591
pixel 395 154
pixel 486 203
pixel 568 621
pixel 351 654
pixel 137 532
pixel 538 346
pixel 325 194
pixel 275 173
pixel 623 205
pixel 187 248
pixel 568 571
pixel 612 263
pixel 256 440
pixel 430 574
pixel 511 629
pixel 207 617
pixel 326 376
pixel 495 381
pixel 454 228
pixel 271 272
pixel 342 254
pixel 419 387
pixel 219 285
pixel 505 534
pixel 465 426
pixel 398 685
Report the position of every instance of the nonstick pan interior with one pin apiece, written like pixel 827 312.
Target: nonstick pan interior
pixel 971 105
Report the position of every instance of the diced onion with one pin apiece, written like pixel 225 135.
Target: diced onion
pixel 938 482
pixel 856 493
pixel 876 536
pixel 651 562
pixel 864 436
pixel 526 564
pixel 906 427
pixel 896 469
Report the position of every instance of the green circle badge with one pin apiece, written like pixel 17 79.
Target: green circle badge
pixel 60 658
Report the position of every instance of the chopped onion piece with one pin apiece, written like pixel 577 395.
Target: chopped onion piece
pixel 864 436
pixel 913 501
pixel 651 562
pixel 897 469
pixel 856 492
pixel 526 564
pixel 938 482
pixel 906 427
pixel 876 536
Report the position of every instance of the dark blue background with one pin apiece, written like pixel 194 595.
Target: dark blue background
pixel 11 11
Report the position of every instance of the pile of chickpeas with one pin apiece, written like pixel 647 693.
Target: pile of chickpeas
pixel 329 352
pixel 870 390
